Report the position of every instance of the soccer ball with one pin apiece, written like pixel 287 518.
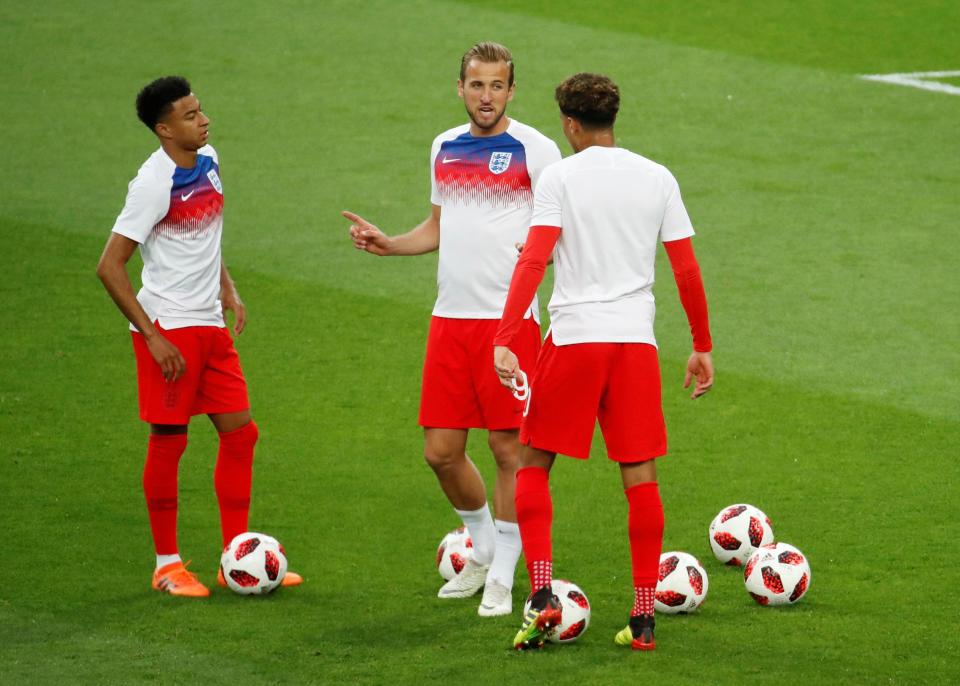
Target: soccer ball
pixel 777 574
pixel 253 563
pixel 452 553
pixel 681 585
pixel 737 531
pixel 576 612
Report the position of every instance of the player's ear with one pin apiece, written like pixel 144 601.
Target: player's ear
pixel 510 91
pixel 460 88
pixel 162 130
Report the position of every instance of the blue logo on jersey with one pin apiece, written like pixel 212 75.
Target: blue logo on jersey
pixel 499 161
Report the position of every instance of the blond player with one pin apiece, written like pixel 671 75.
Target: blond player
pixel 482 178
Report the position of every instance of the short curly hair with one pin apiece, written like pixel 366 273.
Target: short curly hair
pixel 155 100
pixel 591 99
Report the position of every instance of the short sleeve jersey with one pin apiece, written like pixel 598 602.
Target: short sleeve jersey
pixel 176 215
pixel 613 207
pixel 484 186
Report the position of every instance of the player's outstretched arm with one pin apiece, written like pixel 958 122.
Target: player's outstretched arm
pixel 112 270
pixel 230 301
pixel 423 238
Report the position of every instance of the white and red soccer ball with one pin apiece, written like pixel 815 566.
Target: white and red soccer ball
pixel 452 553
pixel 682 584
pixel 575 612
pixel 777 574
pixel 737 531
pixel 253 563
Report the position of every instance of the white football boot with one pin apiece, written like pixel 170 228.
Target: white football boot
pixel 465 584
pixel 497 600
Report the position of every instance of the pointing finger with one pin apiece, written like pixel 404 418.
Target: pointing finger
pixel 355 218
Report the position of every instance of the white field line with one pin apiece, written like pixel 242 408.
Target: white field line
pixel 918 79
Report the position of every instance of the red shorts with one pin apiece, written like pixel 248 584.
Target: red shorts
pixel 461 390
pixel 575 385
pixel 212 384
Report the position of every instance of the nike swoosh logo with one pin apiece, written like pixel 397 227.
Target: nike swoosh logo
pixel 186 197
pixel 448 160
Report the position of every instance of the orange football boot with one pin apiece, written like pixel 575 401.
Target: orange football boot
pixel 176 580
pixel 289 579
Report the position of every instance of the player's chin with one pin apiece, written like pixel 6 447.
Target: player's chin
pixel 487 120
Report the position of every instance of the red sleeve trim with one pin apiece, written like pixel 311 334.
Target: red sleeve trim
pixel 527 275
pixel 686 272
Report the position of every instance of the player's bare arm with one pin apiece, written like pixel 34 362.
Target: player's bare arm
pixel 112 271
pixel 423 238
pixel 230 301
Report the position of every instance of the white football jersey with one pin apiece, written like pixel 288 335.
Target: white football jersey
pixel 613 207
pixel 484 187
pixel 176 215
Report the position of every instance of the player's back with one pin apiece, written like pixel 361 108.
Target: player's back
pixel 614 206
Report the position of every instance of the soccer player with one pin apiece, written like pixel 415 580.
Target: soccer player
pixel 600 213
pixel 186 360
pixel 482 179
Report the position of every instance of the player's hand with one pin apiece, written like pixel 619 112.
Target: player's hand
pixel 506 365
pixel 366 236
pixel 700 365
pixel 519 247
pixel 167 356
pixel 230 301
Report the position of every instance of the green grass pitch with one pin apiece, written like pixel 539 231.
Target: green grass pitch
pixel 826 209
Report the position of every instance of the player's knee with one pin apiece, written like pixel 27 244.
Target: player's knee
pixel 440 457
pixel 506 449
pixel 239 443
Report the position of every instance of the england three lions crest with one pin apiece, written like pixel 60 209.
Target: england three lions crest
pixel 499 161
pixel 215 180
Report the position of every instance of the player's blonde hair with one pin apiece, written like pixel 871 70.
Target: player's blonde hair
pixel 489 52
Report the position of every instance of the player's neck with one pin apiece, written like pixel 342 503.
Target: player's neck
pixel 588 139
pixel 500 127
pixel 185 159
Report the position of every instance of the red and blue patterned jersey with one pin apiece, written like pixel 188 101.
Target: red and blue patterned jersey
pixel 176 215
pixel 484 187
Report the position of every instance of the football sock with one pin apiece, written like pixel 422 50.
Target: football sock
pixel 535 517
pixel 164 560
pixel 479 525
pixel 232 479
pixel 646 539
pixel 160 489
pixel 643 601
pixel 508 549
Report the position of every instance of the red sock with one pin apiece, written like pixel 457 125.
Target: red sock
pixel 160 488
pixel 646 539
pixel 535 516
pixel 232 479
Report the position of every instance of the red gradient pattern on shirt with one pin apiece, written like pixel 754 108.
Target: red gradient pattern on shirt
pixel 469 181
pixel 194 217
